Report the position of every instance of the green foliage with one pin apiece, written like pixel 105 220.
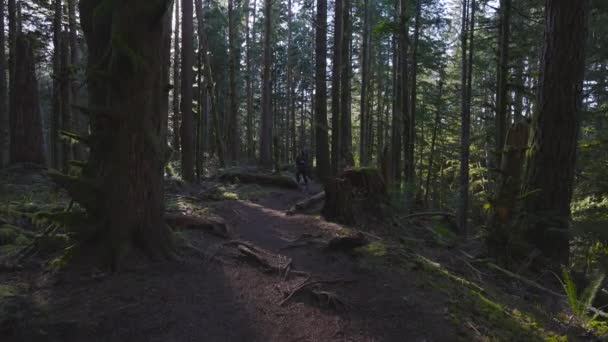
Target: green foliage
pixel 581 303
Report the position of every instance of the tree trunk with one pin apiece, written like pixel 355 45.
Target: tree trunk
pixel 26 127
pixel 346 126
pixel 411 143
pixel 187 128
pixel 12 35
pixel 122 185
pixel 232 126
pixel 176 86
pixel 502 102
pixel 364 144
pixel 336 108
pixel 552 161
pixel 4 119
pixel 73 73
pixel 467 35
pixel 438 112
pixel 267 115
pixel 321 129
pixel 64 98
pixel 249 78
pixel 55 146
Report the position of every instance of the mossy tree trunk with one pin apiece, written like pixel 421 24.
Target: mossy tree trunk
pixel 127 75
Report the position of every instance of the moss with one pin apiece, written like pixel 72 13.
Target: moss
pixel 8 291
pixel 376 249
pixel 8 234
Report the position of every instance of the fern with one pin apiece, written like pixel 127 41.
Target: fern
pixel 580 304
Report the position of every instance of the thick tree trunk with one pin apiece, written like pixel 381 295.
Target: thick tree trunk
pixel 176 140
pixel 26 143
pixel 321 128
pixel 122 186
pixel 65 98
pixel 267 115
pixel 552 161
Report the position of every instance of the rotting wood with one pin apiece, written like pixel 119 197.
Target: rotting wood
pixel 306 203
pixel 258 178
pixel 214 225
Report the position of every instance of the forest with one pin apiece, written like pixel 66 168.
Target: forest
pixel 303 170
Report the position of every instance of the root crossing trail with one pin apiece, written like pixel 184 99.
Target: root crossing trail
pixel 226 299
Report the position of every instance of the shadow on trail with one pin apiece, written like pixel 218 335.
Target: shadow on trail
pixel 381 305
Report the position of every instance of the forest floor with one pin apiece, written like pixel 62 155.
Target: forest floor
pixel 273 279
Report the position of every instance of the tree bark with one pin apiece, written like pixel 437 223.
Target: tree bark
pixel 26 127
pixel 364 116
pixel 502 102
pixel 438 113
pixel 321 128
pixel 467 35
pixel 55 146
pixel 336 108
pixel 121 186
pixel 4 116
pixel 75 115
pixel 551 167
pixel 232 126
pixel 12 35
pixel 267 115
pixel 176 85
pixel 187 128
pixel 249 78
pixel 411 146
pixel 346 137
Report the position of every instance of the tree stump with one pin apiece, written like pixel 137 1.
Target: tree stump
pixel 357 191
pixel 338 201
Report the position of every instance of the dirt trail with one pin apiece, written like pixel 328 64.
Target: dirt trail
pixel 202 300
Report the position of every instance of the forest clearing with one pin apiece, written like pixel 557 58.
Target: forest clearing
pixel 303 170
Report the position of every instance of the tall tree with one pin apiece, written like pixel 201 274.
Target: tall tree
pixel 411 143
pixel 502 79
pixel 176 143
pixel 551 167
pixel 55 146
pixel 266 137
pixel 346 125
pixel 467 35
pixel 121 186
pixel 321 129
pixel 12 43
pixel 4 119
pixel 249 77
pixel 187 128
pixel 26 126
pixel 75 115
pixel 364 144
pixel 336 108
pixel 232 124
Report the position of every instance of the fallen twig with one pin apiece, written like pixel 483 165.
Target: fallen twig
pixel 306 283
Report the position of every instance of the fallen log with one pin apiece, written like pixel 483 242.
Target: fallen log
pixel 347 243
pixel 258 178
pixel 433 213
pixel 306 203
pixel 213 225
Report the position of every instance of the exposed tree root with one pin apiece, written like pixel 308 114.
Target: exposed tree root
pixel 304 285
